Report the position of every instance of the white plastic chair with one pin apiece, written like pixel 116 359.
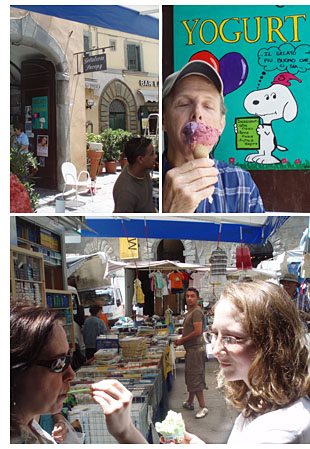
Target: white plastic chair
pixel 69 174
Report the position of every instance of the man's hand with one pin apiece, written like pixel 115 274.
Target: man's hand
pixel 178 342
pixel 186 186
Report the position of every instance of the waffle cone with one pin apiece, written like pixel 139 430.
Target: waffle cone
pixel 200 150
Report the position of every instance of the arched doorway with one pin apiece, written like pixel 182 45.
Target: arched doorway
pixel 29 43
pixel 118 90
pixel 117 115
pixel 170 250
pixel 39 95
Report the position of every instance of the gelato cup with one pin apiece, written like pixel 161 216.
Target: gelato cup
pixel 172 428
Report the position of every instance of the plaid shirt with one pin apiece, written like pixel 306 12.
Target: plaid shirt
pixel 235 191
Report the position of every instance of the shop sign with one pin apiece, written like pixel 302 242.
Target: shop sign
pixel 148 83
pixel 129 248
pixel 94 63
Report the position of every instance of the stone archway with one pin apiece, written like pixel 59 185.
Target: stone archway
pixel 26 31
pixel 118 90
pixel 189 253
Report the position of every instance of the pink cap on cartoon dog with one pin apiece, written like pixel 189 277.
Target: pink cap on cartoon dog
pixel 284 78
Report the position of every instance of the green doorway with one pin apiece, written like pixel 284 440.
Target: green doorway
pixel 117 115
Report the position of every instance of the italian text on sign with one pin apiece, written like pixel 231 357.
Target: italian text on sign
pixel 94 63
pixel 128 248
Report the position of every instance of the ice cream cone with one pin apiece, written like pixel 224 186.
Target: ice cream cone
pixel 200 150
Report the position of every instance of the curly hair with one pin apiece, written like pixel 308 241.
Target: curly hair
pixel 280 372
pixel 30 330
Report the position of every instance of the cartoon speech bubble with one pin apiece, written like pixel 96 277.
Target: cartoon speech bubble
pixel 286 57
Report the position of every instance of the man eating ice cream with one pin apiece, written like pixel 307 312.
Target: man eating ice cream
pixel 194 118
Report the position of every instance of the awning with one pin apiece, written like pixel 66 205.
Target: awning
pixel 113 266
pixel 149 95
pixel 112 17
pixel 75 262
pixel 178 228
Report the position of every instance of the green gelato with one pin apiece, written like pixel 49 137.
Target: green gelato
pixel 172 426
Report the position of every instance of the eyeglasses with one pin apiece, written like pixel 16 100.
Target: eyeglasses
pixel 227 340
pixel 58 365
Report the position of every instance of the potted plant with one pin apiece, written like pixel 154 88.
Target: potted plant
pixel 124 137
pixel 94 153
pixel 110 141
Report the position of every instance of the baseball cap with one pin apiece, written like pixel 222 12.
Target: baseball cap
pixel 206 69
pixel 290 277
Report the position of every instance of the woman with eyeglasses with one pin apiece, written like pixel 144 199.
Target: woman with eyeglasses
pixel 264 360
pixel 40 379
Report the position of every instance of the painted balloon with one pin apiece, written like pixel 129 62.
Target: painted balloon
pixel 233 70
pixel 208 57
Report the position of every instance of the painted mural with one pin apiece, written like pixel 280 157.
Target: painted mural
pixel 263 56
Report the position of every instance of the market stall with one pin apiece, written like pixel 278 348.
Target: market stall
pixel 142 364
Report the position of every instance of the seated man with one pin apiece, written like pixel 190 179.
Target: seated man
pixel 21 138
pixel 132 191
pixel 195 94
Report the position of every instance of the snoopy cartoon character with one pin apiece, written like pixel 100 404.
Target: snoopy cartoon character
pixel 274 103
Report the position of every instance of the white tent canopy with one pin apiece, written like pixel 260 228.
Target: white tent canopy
pixel 113 266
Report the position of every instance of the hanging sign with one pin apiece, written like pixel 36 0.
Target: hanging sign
pixel 263 56
pixel 94 63
pixel 129 248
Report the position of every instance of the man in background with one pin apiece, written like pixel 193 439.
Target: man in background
pixel 132 190
pixel 139 315
pixel 290 284
pixel 195 357
pixel 20 137
pixel 102 315
pixel 93 327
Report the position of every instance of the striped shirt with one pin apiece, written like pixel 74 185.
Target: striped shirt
pixel 235 191
pixel 302 302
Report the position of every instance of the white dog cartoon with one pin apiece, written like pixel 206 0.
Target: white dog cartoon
pixel 274 103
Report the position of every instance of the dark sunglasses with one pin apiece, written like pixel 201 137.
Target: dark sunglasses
pixel 58 365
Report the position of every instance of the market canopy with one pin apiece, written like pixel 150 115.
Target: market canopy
pixel 113 17
pixel 112 266
pixel 180 228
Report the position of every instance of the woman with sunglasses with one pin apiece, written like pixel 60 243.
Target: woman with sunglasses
pixel 40 379
pixel 264 360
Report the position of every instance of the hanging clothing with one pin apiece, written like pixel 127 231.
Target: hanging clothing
pixel 176 280
pixel 138 295
pixel 165 288
pixel 186 277
pixel 196 280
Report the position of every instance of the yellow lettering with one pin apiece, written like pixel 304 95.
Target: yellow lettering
pixel 245 28
pixel 295 25
pixel 276 30
pixel 190 32
pixel 222 31
pixel 215 31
